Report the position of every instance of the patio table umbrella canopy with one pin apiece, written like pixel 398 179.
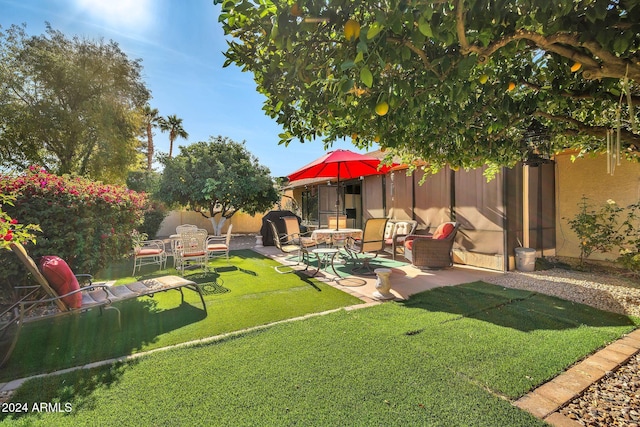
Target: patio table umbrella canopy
pixel 340 164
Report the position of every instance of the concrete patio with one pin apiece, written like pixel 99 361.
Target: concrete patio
pixel 405 280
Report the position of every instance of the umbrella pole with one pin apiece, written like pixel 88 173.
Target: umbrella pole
pixel 338 200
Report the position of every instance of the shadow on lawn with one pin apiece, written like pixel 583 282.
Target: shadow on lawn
pixel 513 308
pixel 80 338
pixel 77 391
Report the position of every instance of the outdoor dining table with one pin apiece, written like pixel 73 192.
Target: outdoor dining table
pixel 332 235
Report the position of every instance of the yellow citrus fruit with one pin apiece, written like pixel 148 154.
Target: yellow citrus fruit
pixel 354 136
pixel 296 10
pixel 376 138
pixel 483 79
pixel 351 30
pixel 575 67
pixel 511 87
pixel 382 108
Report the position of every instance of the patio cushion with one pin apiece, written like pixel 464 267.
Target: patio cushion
pixel 443 230
pixel 408 243
pixel 61 279
pixel 148 252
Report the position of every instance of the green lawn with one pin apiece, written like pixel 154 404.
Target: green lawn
pixel 447 357
pixel 241 293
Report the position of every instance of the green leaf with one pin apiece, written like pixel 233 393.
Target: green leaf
pixel 374 30
pixel 425 29
pixel 366 77
pixel 347 64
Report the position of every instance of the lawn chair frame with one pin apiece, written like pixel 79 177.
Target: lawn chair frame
pixel 93 296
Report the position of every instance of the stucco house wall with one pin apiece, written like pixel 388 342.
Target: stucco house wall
pixel 588 176
pixel 242 223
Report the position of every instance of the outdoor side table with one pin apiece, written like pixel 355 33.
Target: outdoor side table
pixel 383 284
pixel 326 257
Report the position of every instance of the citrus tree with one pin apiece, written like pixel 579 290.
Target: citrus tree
pixel 459 82
pixel 217 178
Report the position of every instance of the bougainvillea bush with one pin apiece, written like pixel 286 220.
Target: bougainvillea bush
pixel 86 223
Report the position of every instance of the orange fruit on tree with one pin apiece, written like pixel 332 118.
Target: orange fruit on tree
pixel 351 30
pixel 511 87
pixel 296 10
pixel 483 79
pixel 382 108
pixel 377 139
pixel 575 67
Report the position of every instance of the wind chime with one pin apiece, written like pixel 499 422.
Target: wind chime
pixel 613 141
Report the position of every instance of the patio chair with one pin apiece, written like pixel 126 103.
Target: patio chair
pixel 372 242
pixel 148 253
pixel 219 245
pixel 57 286
pixel 175 239
pixel 185 227
pixel 399 230
pixel 338 222
pixel 432 251
pixel 288 248
pixel 294 235
pixel 192 250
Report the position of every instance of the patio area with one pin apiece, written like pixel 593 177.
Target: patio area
pixel 406 280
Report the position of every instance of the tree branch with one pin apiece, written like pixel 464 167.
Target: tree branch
pixel 421 54
pixel 609 65
pixel 599 131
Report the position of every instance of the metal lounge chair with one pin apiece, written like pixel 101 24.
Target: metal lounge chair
pixel 89 296
pixel 286 246
pixel 294 235
pixel 372 243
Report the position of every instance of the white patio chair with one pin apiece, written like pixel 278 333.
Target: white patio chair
pixel 192 250
pixel 149 252
pixel 219 245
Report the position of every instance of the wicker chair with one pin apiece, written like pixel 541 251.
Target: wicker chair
pixel 432 251
pixel 192 250
pixel 396 232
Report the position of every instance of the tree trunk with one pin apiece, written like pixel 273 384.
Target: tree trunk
pixel 217 226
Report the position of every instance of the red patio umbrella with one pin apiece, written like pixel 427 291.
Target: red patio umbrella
pixel 340 164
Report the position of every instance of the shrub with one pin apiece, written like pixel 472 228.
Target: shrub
pixel 11 230
pixel 603 230
pixel 84 222
pixel 152 218
pixel 597 231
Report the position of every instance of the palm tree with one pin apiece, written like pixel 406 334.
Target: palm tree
pixel 173 125
pixel 151 119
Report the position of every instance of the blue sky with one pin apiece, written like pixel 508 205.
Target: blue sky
pixel 180 43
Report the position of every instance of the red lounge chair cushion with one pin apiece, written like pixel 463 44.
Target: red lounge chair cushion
pixel 148 252
pixel 408 243
pixel 61 279
pixel 443 231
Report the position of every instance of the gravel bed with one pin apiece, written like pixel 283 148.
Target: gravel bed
pixel 615 400
pixel 616 294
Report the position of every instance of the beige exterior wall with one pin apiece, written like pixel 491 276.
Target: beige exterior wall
pixel 589 177
pixel 242 223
